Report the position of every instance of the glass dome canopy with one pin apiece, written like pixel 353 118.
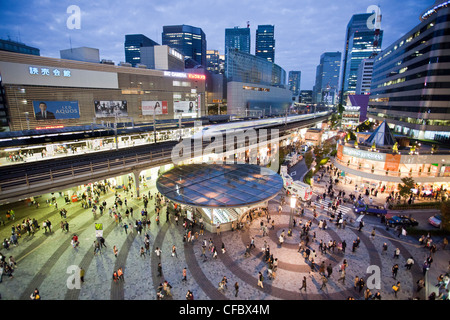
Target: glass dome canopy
pixel 215 186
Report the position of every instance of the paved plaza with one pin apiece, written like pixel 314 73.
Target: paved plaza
pixel 46 260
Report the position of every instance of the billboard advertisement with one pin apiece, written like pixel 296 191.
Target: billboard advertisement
pixel 154 107
pixel 184 108
pixel 55 110
pixel 104 109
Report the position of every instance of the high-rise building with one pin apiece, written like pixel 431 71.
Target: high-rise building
pixel 13 46
pixel 190 41
pixel 411 79
pixel 265 42
pixel 133 45
pixel 306 96
pixel 360 43
pixel 237 38
pixel 294 80
pixel 327 78
pixel 214 61
pixel 364 78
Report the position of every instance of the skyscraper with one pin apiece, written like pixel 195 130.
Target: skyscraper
pixel 265 42
pixel 327 78
pixel 237 38
pixel 294 82
pixel 359 45
pixel 133 45
pixel 190 41
pixel 364 77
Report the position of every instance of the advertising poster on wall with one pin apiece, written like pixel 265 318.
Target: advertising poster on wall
pixel 104 109
pixel 55 110
pixel 185 109
pixel 154 107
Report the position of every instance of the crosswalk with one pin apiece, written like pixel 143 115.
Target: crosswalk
pixel 342 207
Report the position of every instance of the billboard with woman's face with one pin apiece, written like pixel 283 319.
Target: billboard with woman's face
pixel 185 109
pixel 55 110
pixel 150 108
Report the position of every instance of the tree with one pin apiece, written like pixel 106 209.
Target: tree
pixel 445 214
pixel 405 188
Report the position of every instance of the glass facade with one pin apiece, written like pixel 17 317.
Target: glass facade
pixel 327 77
pixel 243 67
pixel 237 38
pixel 190 41
pixel 359 45
pixel 294 82
pixel 133 45
pixel 411 81
pixel 265 42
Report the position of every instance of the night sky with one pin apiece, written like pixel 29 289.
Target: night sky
pixel 304 29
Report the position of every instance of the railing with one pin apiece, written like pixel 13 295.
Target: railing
pixel 20 181
pixel 390 173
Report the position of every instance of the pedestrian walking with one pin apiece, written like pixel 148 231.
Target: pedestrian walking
pixel 396 253
pixel 303 284
pixel 324 282
pixel 159 269
pixel 184 275
pixel 236 289
pixel 394 271
pixel 116 251
pixel 82 272
pixel 409 263
pixel 260 280
pixel 158 252
pixel 396 288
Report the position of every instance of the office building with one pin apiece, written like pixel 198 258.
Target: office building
pixel 265 42
pixel 81 54
pixel 133 45
pixel 360 43
pixel 411 79
pixel 327 78
pixel 78 93
pixel 189 40
pixel 14 46
pixel 215 61
pixel 237 38
pixel 364 78
pixel 294 80
pixel 306 97
pixel 162 58
pixel 255 86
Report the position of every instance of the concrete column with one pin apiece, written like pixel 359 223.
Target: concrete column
pixel 136 181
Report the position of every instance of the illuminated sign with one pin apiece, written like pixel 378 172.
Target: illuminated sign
pixel 196 76
pixel 364 154
pixel 184 75
pixel 49 127
pixel 175 74
pixel 45 71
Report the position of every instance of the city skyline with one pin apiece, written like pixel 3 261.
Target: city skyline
pixel 303 29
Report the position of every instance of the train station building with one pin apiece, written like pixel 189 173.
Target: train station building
pixel 41 92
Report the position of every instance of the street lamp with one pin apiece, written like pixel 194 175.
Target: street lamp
pixel 291 217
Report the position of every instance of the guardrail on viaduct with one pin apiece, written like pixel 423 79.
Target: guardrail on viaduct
pixel 31 179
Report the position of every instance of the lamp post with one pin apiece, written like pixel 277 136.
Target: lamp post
pixel 291 217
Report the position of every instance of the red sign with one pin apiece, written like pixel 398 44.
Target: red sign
pixel 196 76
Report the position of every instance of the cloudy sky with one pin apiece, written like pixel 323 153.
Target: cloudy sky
pixel 304 29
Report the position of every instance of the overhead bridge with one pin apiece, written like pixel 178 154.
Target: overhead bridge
pixel 24 180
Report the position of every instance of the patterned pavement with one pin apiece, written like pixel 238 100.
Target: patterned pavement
pixel 44 261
